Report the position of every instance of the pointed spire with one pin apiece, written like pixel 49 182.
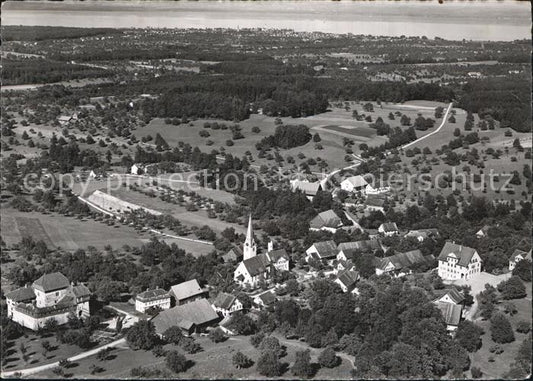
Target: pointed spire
pixel 249 232
pixel 250 248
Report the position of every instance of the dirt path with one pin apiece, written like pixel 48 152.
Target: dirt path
pixel 444 119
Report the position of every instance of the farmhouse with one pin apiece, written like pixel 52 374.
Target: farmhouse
pixel 355 184
pixel 157 298
pixel 325 251
pixel 327 221
pixel 347 280
pixel 423 234
pixel 388 229
pixel 226 304
pixel 517 256
pixel 192 317
pixel 483 232
pixel 308 188
pixel 449 295
pixel 234 255
pixel 51 297
pixel 401 263
pixel 458 262
pixel 346 250
pixel 452 315
pixel 375 204
pixel 264 299
pixel 187 292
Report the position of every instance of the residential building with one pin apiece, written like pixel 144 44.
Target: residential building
pixel 347 280
pixel 187 292
pixel 355 184
pixel 308 188
pixel 517 256
pixel 325 251
pixel 449 295
pixel 327 221
pixel 279 259
pixel 375 204
pixel 458 262
pixel 226 304
pixel 192 317
pixel 423 234
pixel 483 232
pixel 452 314
pixel 157 298
pixel 137 169
pixel 388 229
pixel 234 255
pixel 346 250
pixel 51 297
pixel 401 263
pixel 264 299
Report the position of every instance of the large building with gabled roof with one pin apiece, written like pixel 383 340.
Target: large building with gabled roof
pixel 458 262
pixel 51 297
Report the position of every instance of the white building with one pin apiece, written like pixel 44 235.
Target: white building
pixel 51 297
pixel 137 169
pixel 157 298
pixel 250 247
pixel 458 262
pixel 388 229
pixel 356 184
pixel 226 304
pixel 518 255
pixel 250 272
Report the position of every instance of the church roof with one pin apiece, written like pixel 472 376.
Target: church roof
pixel 257 264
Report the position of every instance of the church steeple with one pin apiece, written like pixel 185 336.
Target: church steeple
pixel 250 248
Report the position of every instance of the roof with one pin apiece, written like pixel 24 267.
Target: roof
pixel 186 290
pixel 22 294
pixel 327 218
pixel 521 253
pixel 224 300
pixel 51 282
pixel 454 295
pixel 156 294
pixel 257 264
pixel 326 249
pixel 404 260
pixel 374 201
pixel 275 255
pixel 348 278
pixel 305 186
pixel 450 312
pixel 363 246
pixel 233 254
pixel 267 297
pixel 464 253
pixel 197 312
pixel 357 181
pixel 389 227
pixel 424 233
pixel 80 290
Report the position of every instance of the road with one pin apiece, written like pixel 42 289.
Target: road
pixel 37 369
pixel 444 119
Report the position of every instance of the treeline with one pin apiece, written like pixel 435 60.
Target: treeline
pixel 397 137
pixel 41 33
pixel 504 99
pixel 37 70
pixel 288 136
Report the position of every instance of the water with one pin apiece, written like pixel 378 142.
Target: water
pixel 487 20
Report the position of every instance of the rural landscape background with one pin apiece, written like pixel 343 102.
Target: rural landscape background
pixel 306 172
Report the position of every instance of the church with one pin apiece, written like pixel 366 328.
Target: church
pixel 254 267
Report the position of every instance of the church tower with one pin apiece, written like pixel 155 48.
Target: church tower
pixel 250 248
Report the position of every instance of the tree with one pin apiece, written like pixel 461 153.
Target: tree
pixel 302 365
pixel 217 336
pixel 269 365
pixel 451 119
pixel 513 288
pixel 438 112
pixel 240 360
pixel 523 270
pixel 176 362
pixel 142 335
pixel 316 138
pixel 242 324
pixel 328 358
pixel 468 335
pixel 501 329
pixel 271 344
pixel 257 339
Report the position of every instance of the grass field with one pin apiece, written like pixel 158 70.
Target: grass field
pixel 67 233
pixel 213 362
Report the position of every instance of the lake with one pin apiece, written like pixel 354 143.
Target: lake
pixel 487 20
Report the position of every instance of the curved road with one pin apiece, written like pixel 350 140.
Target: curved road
pixel 37 369
pixel 444 119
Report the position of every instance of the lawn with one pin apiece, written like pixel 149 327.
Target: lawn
pixel 68 233
pixel 215 361
pixel 502 362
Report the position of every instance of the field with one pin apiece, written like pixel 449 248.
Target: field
pixel 332 126
pixel 67 233
pixel 500 366
pixel 213 362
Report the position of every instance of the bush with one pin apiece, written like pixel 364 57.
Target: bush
pixel 468 335
pixel 523 270
pixel 256 339
pixel 328 358
pixel 513 288
pixel 142 335
pixel 217 336
pixel 240 360
pixel 476 372
pixel 302 365
pixel 173 335
pixel 269 365
pixel 176 362
pixel 523 326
